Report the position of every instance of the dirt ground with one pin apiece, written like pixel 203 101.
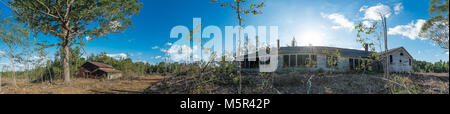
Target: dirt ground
pixel 284 83
pixel 129 85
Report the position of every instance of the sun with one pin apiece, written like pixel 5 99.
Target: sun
pixel 311 37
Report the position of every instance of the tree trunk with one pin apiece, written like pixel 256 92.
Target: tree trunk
pixel 386 49
pixel 239 47
pixel 66 63
pixel 13 72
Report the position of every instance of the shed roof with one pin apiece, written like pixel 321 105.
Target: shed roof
pixel 101 65
pixel 109 70
pixel 397 49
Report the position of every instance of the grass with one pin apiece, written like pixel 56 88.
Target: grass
pixel 126 85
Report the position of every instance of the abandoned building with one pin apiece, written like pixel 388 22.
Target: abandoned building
pixel 399 60
pixel 98 70
pixel 315 58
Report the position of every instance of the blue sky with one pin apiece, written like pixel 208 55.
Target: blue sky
pixel 315 22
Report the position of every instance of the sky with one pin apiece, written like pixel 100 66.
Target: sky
pixel 311 22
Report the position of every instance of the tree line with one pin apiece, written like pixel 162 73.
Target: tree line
pixel 426 67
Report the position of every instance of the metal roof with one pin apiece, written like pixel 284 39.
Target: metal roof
pixel 101 65
pixel 324 50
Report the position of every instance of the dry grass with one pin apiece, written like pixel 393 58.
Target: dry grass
pixel 127 85
pixel 280 83
pixel 297 83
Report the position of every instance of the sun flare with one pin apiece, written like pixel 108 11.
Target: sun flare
pixel 312 38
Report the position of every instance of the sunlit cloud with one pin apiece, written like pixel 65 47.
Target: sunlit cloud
pixel 410 30
pixel 155 47
pixel 117 56
pixel 340 21
pixel 156 57
pixel 374 12
pixel 179 52
pixel 397 8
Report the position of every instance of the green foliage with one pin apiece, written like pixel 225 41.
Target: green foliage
pixel 370 37
pixel 14 42
pixel 74 22
pixel 423 66
pixel 242 7
pixel 437 27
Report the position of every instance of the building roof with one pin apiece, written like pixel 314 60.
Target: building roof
pixel 324 50
pixel 330 50
pixel 396 49
pixel 110 70
pixel 101 65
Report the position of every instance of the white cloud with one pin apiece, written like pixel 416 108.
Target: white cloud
pixel 179 52
pixel 363 8
pixel 117 56
pixel 446 52
pixel 155 47
pixel 169 44
pixel 163 50
pixel 340 21
pixel 33 58
pixel 1 52
pixel 156 57
pixel 397 8
pixel 4 64
pixel 410 30
pixel 373 13
pixel 367 23
pixel 88 38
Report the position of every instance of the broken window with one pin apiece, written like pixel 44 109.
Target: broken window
pixel 313 61
pixel 409 62
pixel 390 59
pixel 332 61
pixel 401 54
pixel 350 62
pixel 293 60
pixel 286 61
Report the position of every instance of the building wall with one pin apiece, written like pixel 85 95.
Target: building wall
pixel 396 65
pixel 343 64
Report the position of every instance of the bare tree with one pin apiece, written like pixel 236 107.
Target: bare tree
pixel 14 38
pixel 242 7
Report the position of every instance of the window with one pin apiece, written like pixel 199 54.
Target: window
pixel 409 62
pixel 313 61
pixel 293 61
pixel 286 61
pixel 357 63
pixel 350 63
pixel 332 61
pixel 267 61
pixel 299 60
pixel 400 61
pixel 307 60
pixel 401 54
pixel 390 59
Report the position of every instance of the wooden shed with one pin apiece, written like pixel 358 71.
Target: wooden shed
pixel 98 70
